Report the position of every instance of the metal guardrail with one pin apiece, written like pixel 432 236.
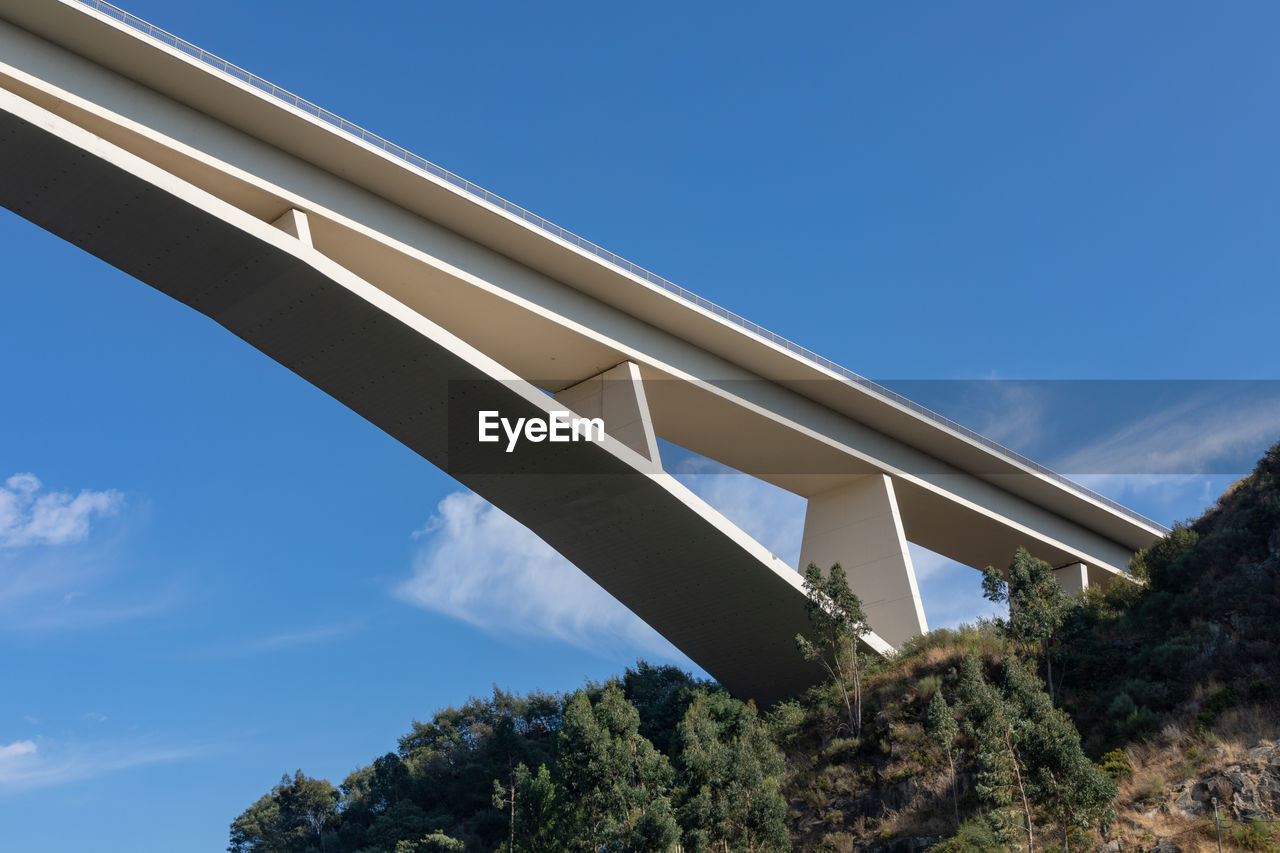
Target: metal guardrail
pixel 235 71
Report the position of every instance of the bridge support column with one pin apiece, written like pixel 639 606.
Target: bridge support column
pixel 858 526
pixel 616 396
pixel 1074 577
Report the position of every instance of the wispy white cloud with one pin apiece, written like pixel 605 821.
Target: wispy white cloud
pixel 280 642
pixel 1165 498
pixel 54 558
pixel 772 516
pixel 31 516
pixel 951 592
pixel 1193 436
pixel 479 565
pixel 1008 413
pixel 29 764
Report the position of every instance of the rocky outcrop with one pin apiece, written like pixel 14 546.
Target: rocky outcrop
pixel 1249 790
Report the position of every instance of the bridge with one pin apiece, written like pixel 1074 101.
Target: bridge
pixel 422 301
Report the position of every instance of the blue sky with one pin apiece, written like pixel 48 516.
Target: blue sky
pixel 211 573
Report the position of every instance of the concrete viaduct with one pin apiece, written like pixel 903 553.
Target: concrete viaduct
pixel 419 300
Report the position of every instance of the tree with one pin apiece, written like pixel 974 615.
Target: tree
pixel 1028 751
pixel 999 778
pixel 1038 605
pixel 615 780
pixel 1063 783
pixel 533 802
pixel 838 622
pixel 661 693
pixel 436 842
pixel 943 730
pixel 729 770
pixel 257 829
pixel 291 817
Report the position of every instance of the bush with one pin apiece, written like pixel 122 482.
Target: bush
pixel 786 721
pixel 926 687
pixel 973 835
pixel 1255 835
pixel 1150 790
pixel 1116 764
pixel 1141 724
pixel 1121 707
pixel 1220 701
pixel 1153 563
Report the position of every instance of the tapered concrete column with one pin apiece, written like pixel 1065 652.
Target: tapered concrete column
pixel 858 526
pixel 294 222
pixel 617 397
pixel 1074 577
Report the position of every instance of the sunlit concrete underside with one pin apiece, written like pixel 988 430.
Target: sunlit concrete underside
pixel 506 301
pixel 654 545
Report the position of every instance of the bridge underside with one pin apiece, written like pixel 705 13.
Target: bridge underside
pixel 418 304
pixel 678 564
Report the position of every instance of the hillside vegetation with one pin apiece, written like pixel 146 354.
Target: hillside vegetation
pixel 1111 722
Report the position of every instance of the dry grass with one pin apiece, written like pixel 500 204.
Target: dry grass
pixel 932 818
pixel 1249 724
pixel 1192 835
pixel 1175 756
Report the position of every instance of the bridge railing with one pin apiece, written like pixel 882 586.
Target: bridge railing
pixel 269 88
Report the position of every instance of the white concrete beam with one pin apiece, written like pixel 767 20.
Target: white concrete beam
pixel 294 223
pixel 858 526
pixel 617 397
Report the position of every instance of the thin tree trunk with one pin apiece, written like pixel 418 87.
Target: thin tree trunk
pixel 857 685
pixel 1048 662
pixel 955 796
pixel 837 675
pixel 1026 807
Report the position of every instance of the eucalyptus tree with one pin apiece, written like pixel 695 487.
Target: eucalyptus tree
pixel 838 622
pixel 1038 605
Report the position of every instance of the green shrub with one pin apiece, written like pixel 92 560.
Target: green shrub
pixel 1141 724
pixel 927 686
pixel 436 842
pixel 1150 791
pixel 1121 707
pixel 1154 562
pixel 1218 702
pixel 1255 835
pixel 972 836
pixel 1116 764
pixel 786 721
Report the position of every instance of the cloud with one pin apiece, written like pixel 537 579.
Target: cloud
pixel 28 517
pixel 772 516
pixel 1217 431
pixel 280 642
pixel 1165 498
pixel 479 565
pixel 54 561
pixel 951 592
pixel 26 765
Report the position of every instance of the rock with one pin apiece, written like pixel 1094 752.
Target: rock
pixel 1166 845
pixel 1247 801
pixel 1187 805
